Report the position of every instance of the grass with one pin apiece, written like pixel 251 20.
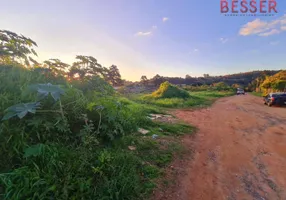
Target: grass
pixel 258 94
pixel 152 154
pixel 167 90
pixel 202 98
pixel 113 169
pixel 167 129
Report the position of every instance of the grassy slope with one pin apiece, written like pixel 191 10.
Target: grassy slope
pixel 202 98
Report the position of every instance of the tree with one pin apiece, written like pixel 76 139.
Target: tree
pixel 76 73
pixel 144 80
pixel 157 80
pixel 90 65
pixel 188 76
pixel 15 47
pixel 220 86
pixel 56 66
pixel 113 76
pixel 235 85
pixel 275 83
pixel 86 67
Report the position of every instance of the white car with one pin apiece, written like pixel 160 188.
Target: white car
pixel 240 91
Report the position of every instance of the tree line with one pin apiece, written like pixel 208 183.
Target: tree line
pixel 245 79
pixel 15 48
pixel 19 49
pixel 266 83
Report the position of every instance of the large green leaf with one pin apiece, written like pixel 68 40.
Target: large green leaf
pixel 34 150
pixel 45 89
pixel 20 110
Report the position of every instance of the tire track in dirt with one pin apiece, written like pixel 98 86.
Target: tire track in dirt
pixel 239 153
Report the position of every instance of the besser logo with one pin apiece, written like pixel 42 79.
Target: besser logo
pixel 246 7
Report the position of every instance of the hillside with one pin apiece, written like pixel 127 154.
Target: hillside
pixel 243 79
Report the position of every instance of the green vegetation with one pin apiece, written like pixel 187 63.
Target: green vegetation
pixel 167 90
pixel 163 129
pixel 203 96
pixel 66 134
pixel 275 83
pixel 258 94
pixel 74 144
pixel 220 86
pixel 265 84
pixel 196 99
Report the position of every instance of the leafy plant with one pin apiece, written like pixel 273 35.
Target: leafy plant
pixel 48 89
pixel 14 46
pixel 22 109
pixel 34 150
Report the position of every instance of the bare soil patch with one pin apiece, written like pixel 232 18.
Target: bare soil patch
pixel 238 153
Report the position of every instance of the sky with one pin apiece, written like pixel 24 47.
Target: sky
pixel 149 37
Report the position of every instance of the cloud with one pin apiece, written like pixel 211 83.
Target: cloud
pixel 264 28
pixel 223 40
pixel 165 19
pixel 147 33
pixel 144 33
pixel 272 32
pixel 196 50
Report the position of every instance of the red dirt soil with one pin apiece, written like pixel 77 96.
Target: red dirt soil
pixel 239 153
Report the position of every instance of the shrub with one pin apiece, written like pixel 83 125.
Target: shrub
pixel 274 83
pixel 167 90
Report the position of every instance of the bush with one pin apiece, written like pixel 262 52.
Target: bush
pixel 167 90
pixel 274 83
pixel 221 86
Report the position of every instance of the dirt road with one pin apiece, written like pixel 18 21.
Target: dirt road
pixel 240 153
